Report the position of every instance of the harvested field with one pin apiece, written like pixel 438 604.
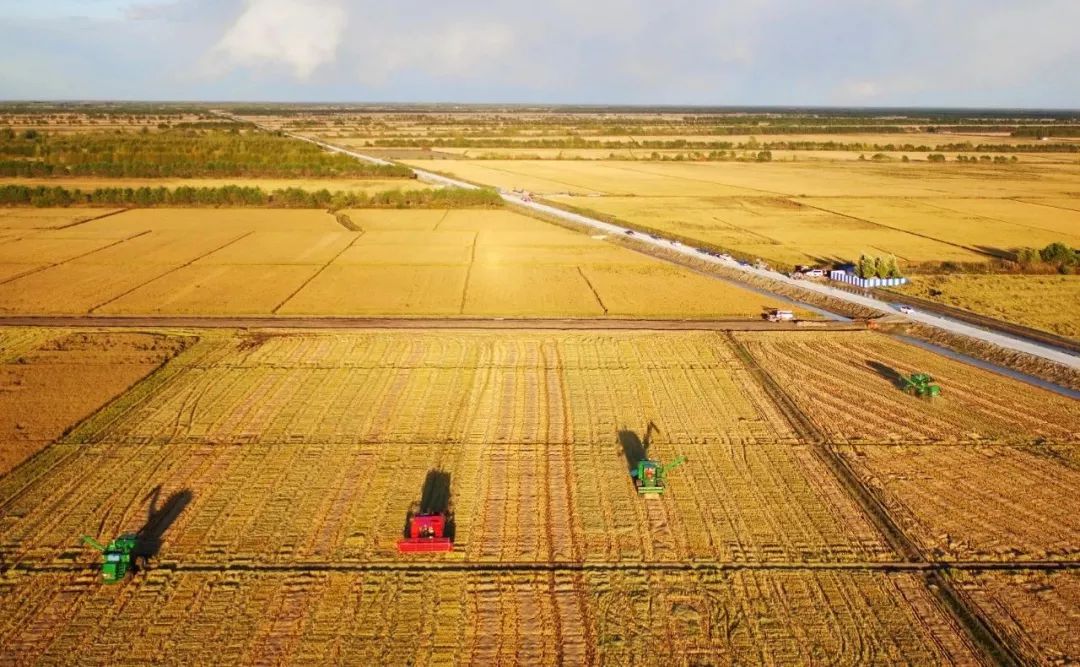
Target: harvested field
pixel 456 387
pixel 1041 302
pixel 1038 611
pixel 479 618
pixel 49 380
pixel 977 503
pixel 521 503
pixel 849 386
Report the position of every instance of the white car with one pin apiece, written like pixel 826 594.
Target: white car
pixel 907 310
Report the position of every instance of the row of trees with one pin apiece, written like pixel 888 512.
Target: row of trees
pixel 178 154
pixel 239 196
pixel 870 266
pixel 1057 255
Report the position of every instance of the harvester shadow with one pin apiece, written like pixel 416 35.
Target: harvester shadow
pixel 434 499
pixel 634 448
pixel 891 374
pixel 158 521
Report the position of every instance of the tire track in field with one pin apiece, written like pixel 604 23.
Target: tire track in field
pixel 316 274
pixel 96 217
pixel 978 629
pixel 72 259
pixel 172 270
pixel 593 290
pixel 468 274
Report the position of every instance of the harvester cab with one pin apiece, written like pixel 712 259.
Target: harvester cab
pixel 650 477
pixel 921 385
pixel 119 556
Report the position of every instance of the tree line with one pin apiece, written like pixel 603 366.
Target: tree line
pixel 179 154
pixel 246 196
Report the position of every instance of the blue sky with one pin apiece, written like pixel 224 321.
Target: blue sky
pixel 1002 53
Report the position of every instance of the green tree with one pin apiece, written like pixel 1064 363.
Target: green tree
pixel 1059 254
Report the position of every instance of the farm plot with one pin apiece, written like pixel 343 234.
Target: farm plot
pixel 208 289
pixel 283 504
pixel 479 618
pixel 26 219
pixel 977 503
pixel 742 179
pixel 775 229
pixel 303 263
pixel 1036 301
pixel 1037 611
pixel 50 380
pixel 459 387
pixel 198 220
pixel 952 221
pixel 850 386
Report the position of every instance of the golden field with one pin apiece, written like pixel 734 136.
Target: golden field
pixel 303 262
pixel 298 454
pixel 1041 302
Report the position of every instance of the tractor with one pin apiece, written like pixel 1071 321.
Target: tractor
pixel 650 477
pixel 119 556
pixel 921 385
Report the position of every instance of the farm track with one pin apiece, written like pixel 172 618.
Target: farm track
pixel 590 566
pixel 967 615
pixel 495 323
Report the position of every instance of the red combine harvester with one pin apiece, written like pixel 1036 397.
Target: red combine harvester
pixel 427 533
pixel 429 525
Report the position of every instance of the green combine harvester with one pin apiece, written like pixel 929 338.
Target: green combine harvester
pixel 119 556
pixel 650 477
pixel 921 385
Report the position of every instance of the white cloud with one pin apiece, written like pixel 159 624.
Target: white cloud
pixel 300 34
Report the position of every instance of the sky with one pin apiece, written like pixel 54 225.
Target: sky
pixel 941 53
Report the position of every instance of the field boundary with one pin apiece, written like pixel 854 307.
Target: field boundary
pixel 567 566
pixel 96 217
pixel 319 272
pixel 167 272
pixel 72 259
pixel 593 290
pixel 509 323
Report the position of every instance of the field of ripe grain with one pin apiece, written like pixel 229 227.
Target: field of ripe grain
pixel 849 386
pixel 51 379
pixel 1041 302
pixel 300 262
pixel 745 179
pixel 1037 611
pixel 767 618
pixel 24 219
pixel 991 503
pixel 776 229
pixel 986 225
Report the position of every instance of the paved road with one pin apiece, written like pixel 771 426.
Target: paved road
pixel 1050 353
